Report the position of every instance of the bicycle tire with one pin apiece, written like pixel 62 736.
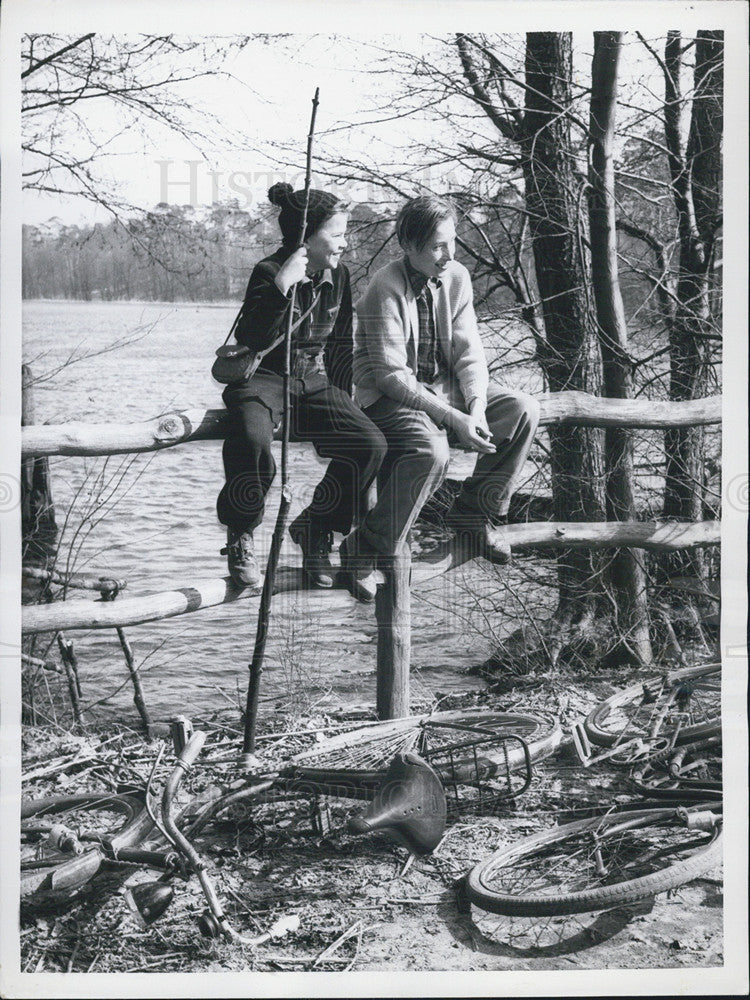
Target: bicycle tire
pixel 366 752
pixel 617 718
pixel 493 884
pixel 56 875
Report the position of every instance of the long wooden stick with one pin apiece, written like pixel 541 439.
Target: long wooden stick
pixel 138 697
pixel 256 666
pixel 70 662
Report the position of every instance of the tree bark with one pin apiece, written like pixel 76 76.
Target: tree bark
pixel 625 572
pixel 696 176
pixel 570 358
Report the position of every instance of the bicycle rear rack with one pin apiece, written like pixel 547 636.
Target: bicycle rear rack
pixel 466 772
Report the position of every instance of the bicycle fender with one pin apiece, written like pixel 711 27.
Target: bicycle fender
pixel 75 872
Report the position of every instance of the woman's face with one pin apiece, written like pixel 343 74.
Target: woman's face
pixel 325 246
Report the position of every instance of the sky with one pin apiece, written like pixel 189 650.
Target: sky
pixel 262 99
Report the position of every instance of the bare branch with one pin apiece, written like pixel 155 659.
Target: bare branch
pixel 33 67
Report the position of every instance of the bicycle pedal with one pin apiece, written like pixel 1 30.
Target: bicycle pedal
pixel 208 925
pixel 582 743
pixel 704 820
pixel 64 840
pixel 181 729
pixel 321 819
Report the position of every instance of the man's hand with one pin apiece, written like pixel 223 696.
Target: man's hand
pixel 477 411
pixel 293 269
pixel 471 433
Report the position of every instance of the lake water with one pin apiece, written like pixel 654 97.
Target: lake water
pixel 159 530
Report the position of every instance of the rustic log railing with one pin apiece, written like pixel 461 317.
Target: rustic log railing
pixel 183 426
pixel 137 610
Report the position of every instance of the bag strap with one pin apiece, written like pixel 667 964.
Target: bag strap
pixel 281 337
pixel 234 325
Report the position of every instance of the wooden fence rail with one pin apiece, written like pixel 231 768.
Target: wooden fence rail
pixel 136 610
pixel 181 426
pixel 392 604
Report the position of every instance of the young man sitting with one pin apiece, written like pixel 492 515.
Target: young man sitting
pixel 421 376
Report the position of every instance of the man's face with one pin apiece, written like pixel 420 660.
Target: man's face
pixel 437 252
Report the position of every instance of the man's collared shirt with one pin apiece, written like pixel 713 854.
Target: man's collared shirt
pixel 429 363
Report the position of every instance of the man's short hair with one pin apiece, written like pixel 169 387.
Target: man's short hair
pixel 418 219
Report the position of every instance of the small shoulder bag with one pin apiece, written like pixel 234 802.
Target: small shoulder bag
pixel 237 362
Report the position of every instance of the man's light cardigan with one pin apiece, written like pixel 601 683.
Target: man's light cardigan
pixel 387 335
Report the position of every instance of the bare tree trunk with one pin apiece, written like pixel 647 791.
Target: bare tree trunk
pixel 570 356
pixel 625 572
pixel 696 184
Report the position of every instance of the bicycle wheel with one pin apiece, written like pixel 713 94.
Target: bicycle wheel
pixel 683 705
pixel 369 750
pixel 65 838
pixel 594 864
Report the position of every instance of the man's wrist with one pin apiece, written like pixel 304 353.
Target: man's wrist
pixel 447 419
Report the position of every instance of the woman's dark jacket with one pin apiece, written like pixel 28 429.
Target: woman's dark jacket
pixel 322 346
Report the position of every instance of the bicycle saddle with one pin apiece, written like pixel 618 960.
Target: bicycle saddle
pixel 409 804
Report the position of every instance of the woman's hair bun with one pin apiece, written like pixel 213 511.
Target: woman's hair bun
pixel 280 193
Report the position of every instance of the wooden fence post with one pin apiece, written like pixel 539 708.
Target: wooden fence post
pixel 39 529
pixel 70 662
pixel 393 615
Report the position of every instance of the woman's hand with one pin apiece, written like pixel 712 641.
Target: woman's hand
pixel 293 269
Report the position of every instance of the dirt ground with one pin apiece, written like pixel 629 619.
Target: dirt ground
pixel 359 905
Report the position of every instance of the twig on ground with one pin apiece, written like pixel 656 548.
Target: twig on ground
pixel 415 902
pixel 79 757
pixel 356 928
pixel 407 865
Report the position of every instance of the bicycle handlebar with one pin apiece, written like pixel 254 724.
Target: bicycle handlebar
pixel 192 749
pixel 184 762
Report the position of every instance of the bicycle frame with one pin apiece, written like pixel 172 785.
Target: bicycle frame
pixel 462 762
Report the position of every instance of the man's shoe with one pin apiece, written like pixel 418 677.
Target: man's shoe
pixel 243 566
pixel 357 574
pixel 484 538
pixel 316 544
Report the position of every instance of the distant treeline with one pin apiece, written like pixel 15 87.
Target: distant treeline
pixel 173 252
pixel 178 253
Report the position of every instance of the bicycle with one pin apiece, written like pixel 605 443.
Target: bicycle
pixel 407 799
pixel 667 730
pixel 649 718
